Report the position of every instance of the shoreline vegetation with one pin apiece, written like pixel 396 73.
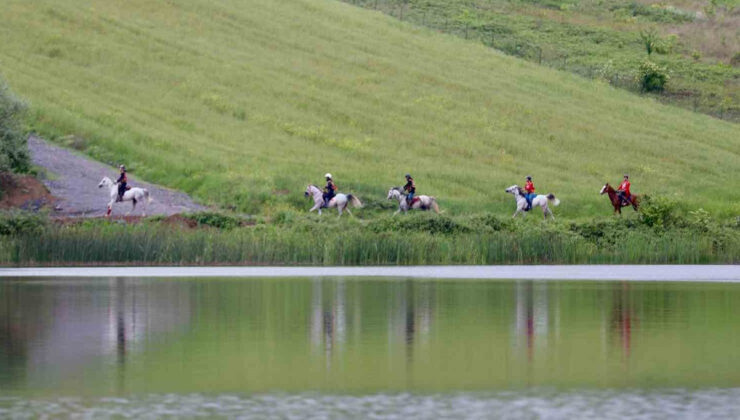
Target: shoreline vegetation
pixel 659 234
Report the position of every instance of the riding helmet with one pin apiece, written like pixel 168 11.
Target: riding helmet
pixel 122 167
pixel 529 177
pixel 626 176
pixel 408 176
pixel 327 176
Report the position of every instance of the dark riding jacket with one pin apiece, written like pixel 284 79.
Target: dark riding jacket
pixel 410 186
pixel 330 189
pixel 122 180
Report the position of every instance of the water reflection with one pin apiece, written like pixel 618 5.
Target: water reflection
pixel 121 335
pixel 623 317
pixel 54 331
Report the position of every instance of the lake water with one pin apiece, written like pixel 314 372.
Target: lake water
pixel 384 348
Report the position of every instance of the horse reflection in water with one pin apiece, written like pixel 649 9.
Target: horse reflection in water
pixel 532 318
pixel 410 317
pixel 623 318
pixel 336 317
pixel 328 319
pixel 64 328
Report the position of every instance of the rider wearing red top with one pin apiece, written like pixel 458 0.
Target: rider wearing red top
pixel 529 188
pixel 624 190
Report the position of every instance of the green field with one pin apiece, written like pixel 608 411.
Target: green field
pixel 242 103
pixel 696 41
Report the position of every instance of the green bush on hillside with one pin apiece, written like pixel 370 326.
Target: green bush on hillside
pixel 20 222
pixel 652 77
pixel 215 220
pixel 13 143
pixel 659 212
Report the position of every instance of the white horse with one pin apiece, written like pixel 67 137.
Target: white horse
pixel 424 202
pixel 134 195
pixel 540 200
pixel 340 201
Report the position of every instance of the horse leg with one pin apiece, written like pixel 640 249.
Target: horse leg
pixel 110 208
pixel 133 207
pixel 349 212
pixel 548 210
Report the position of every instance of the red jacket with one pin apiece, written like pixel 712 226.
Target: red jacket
pixel 529 187
pixel 625 186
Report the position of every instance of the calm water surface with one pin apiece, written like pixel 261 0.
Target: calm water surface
pixel 368 347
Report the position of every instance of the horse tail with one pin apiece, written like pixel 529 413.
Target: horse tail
pixel 354 200
pixel 434 204
pixel 551 198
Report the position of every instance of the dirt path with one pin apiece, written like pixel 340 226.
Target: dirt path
pixel 73 179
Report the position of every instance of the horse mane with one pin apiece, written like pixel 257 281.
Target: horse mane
pixel 521 191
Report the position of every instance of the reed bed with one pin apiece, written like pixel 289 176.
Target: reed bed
pixel 270 245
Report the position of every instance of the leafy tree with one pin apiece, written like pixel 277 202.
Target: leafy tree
pixel 652 77
pixel 649 38
pixel 13 142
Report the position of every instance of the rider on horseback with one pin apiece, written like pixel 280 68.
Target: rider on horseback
pixel 529 188
pixel 330 190
pixel 122 180
pixel 410 189
pixel 624 191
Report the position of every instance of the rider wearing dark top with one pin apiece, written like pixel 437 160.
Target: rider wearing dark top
pixel 330 190
pixel 122 181
pixel 410 188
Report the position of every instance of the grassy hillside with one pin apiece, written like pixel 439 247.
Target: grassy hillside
pixel 242 103
pixel 696 41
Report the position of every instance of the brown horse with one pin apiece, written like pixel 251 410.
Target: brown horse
pixel 616 201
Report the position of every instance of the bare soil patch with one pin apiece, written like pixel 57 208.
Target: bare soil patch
pixel 24 192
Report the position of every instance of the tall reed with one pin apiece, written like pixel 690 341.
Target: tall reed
pixel 262 245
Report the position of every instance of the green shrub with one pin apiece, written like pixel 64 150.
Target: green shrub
pixel 649 38
pixel 488 221
pixel 658 212
pixel 20 222
pixel 424 222
pixel 216 220
pixel 652 77
pixel 14 155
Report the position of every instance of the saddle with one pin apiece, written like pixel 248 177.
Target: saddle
pixel 414 201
